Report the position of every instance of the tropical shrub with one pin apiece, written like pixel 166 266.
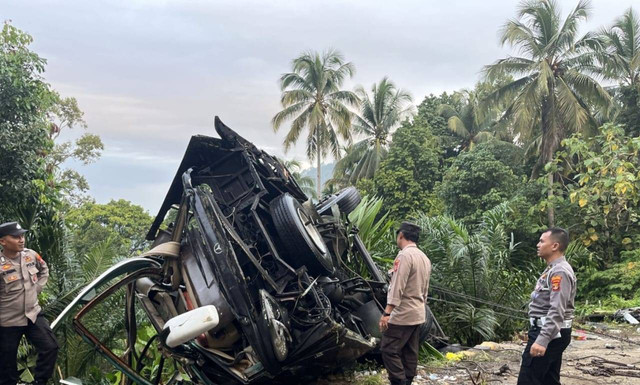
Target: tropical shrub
pixel 621 279
pixel 373 224
pixel 598 197
pixel 477 292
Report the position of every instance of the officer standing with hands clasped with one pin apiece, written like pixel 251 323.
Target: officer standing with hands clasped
pixel 23 274
pixel 551 313
pixel 405 311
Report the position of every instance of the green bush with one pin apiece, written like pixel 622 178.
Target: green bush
pixel 621 279
pixel 476 182
pixel 407 177
pixel 598 196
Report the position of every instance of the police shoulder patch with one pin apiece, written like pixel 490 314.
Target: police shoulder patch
pixel 396 264
pixel 555 282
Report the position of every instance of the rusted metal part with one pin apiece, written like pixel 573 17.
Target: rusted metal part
pixel 93 340
pixel 130 323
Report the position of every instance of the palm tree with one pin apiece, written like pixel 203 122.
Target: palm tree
pixel 469 122
pixel 621 59
pixel 620 62
pixel 312 98
pixel 553 91
pixel 306 183
pixel 379 114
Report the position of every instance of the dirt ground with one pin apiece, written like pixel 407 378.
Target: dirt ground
pixel 595 360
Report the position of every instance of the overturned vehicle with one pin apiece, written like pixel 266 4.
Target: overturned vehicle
pixel 249 283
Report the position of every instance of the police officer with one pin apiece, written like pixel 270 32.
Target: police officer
pixel 405 311
pixel 551 313
pixel 23 274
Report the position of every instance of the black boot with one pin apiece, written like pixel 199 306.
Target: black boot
pixel 393 381
pixel 408 381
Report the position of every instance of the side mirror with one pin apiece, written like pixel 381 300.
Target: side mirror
pixel 187 326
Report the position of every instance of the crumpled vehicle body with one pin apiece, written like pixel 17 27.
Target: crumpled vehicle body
pixel 250 282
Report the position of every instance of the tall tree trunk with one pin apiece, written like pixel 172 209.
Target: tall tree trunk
pixel 548 148
pixel 551 215
pixel 319 164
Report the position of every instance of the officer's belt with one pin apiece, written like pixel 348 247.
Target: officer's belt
pixel 539 322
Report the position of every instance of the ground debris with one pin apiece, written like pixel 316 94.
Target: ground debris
pixel 586 361
pixel 502 371
pixel 606 368
pixel 630 315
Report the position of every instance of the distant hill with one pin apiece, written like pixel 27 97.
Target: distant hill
pixel 327 172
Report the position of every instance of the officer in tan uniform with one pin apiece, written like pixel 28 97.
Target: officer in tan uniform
pixel 551 313
pixel 23 274
pixel 405 310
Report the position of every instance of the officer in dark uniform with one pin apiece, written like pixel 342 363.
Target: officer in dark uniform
pixel 551 313
pixel 23 274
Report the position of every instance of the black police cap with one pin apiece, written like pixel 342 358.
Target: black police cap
pixel 11 228
pixel 409 227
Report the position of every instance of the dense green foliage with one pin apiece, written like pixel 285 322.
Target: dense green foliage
pixel 554 89
pixel 121 221
pixel 469 152
pixel 478 264
pixel 620 51
pixel 37 191
pixel 25 99
pixel 468 121
pixel 476 182
pixel 599 194
pixel 408 176
pixel 629 115
pixel 621 279
pixel 430 114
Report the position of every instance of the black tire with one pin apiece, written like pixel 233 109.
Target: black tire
pixel 425 328
pixel 347 200
pixel 303 242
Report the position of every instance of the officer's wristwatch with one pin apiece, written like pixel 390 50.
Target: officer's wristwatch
pixel 385 314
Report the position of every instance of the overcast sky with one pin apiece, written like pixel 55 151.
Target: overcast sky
pixel 149 74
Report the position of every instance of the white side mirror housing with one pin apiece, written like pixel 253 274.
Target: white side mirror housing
pixel 189 325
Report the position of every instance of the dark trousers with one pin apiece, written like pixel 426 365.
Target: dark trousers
pixel 40 335
pixel 543 370
pixel 399 348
